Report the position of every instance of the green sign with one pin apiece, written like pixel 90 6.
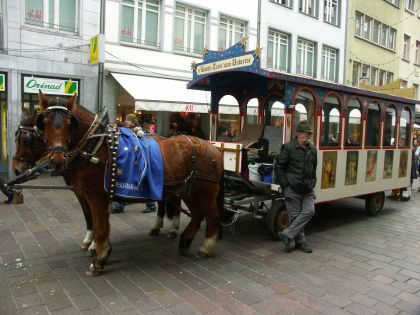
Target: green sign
pixel 2 82
pixel 50 86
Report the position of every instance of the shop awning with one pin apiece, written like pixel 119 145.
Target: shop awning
pixel 156 94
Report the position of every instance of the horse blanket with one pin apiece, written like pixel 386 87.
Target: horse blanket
pixel 139 168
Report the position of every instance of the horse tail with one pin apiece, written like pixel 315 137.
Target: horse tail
pixel 221 202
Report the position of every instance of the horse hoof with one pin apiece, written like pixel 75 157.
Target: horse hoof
pixel 201 254
pixel 92 271
pixel 172 235
pixel 85 246
pixel 154 232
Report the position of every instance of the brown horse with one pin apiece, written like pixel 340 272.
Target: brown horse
pixel 67 129
pixel 30 147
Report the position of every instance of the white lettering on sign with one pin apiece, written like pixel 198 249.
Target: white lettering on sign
pixel 227 64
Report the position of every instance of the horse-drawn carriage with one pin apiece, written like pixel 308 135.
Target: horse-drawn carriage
pixel 352 128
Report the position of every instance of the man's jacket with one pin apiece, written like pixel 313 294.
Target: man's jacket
pixel 295 167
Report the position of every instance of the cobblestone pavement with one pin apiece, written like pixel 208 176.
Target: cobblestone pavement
pixel 360 264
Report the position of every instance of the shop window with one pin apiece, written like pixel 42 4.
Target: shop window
pixel 230 32
pixel 373 131
pixel 190 29
pixel 331 121
pixel 54 14
pixel 354 124
pixel 390 127
pixel 252 112
pixel 304 109
pixel 140 22
pixel 405 128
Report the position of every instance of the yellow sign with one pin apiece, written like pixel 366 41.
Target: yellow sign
pixel 2 82
pixel 97 49
pixel 226 64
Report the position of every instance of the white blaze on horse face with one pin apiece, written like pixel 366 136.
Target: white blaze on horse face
pixel 208 245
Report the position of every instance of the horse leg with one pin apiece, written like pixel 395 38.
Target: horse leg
pixel 99 205
pixel 87 241
pixel 173 215
pixel 213 216
pixel 188 234
pixel 159 219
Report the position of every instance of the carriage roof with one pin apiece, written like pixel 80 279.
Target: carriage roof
pixel 237 70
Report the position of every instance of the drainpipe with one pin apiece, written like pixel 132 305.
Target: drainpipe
pixel 101 66
pixel 259 24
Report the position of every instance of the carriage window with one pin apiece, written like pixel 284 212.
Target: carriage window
pixel 273 130
pixel 330 121
pixel 389 127
pixel 304 109
pixel 405 128
pixel 372 125
pixel 228 123
pixel 354 124
pixel 252 112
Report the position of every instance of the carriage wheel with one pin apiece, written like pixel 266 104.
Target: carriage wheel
pixel 374 203
pixel 277 219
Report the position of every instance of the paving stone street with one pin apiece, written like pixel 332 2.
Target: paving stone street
pixel 360 264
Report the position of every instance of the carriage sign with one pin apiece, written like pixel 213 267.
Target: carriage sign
pixel 226 64
pixel 50 86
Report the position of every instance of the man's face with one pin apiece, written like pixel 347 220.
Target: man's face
pixel 129 123
pixel 303 137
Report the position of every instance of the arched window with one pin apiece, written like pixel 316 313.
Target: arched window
pixel 354 123
pixel 389 126
pixel 274 124
pixel 405 128
pixel 252 112
pixel 304 109
pixel 373 131
pixel 228 123
pixel 330 121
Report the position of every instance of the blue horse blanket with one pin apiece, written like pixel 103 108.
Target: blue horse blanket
pixel 139 167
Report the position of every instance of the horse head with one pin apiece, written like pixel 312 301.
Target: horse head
pixel 30 146
pixel 56 122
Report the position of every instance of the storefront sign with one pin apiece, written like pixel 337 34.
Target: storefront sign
pixel 2 82
pixel 97 49
pixel 50 86
pixel 226 64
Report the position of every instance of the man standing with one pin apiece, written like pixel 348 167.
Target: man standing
pixel 295 172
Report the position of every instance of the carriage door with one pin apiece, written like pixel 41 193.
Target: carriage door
pixel 305 109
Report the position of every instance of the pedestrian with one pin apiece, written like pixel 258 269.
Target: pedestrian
pixel 132 122
pixel 295 172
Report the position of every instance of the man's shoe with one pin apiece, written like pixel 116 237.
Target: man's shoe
pixel 304 248
pixel 286 243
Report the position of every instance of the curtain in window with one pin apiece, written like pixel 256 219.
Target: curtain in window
pixel 127 21
pixel 34 12
pixel 67 15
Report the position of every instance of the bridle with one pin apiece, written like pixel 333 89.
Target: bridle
pixel 35 134
pixel 70 155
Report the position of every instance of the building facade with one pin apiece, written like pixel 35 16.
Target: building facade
pixel 43 45
pixel 304 37
pixel 150 47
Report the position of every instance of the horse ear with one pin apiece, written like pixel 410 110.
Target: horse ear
pixel 71 102
pixel 43 100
